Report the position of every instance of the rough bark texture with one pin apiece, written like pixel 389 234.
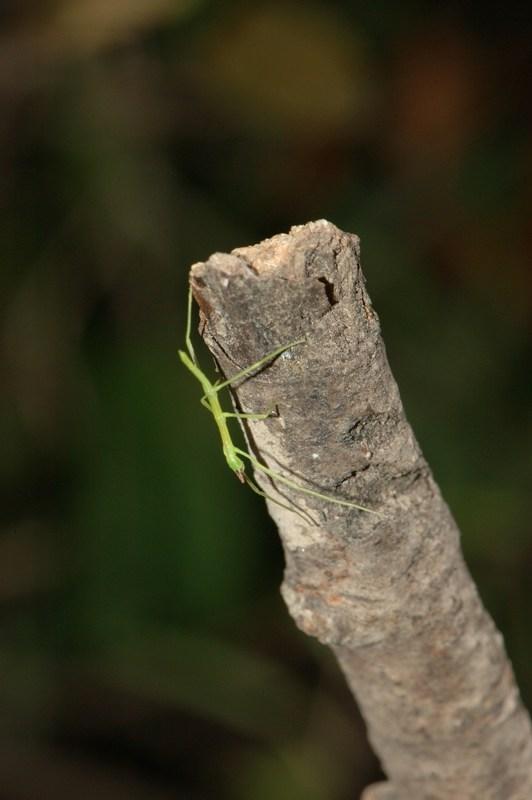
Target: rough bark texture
pixel 390 595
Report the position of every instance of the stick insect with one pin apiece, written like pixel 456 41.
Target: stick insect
pixel 234 455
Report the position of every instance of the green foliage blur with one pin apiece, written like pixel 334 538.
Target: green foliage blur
pixel 144 649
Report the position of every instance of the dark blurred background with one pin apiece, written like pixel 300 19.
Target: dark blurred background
pixel 144 649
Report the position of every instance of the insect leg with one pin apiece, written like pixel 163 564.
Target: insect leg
pixel 188 340
pixel 278 477
pixel 261 415
pixel 252 367
pixel 205 403
pixel 254 488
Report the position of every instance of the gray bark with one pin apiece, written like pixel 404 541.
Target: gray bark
pixel 391 594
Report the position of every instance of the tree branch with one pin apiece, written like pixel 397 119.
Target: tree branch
pixel 390 595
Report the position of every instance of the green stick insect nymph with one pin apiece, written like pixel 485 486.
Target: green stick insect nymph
pixel 235 456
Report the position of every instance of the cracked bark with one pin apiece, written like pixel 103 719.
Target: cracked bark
pixel 390 595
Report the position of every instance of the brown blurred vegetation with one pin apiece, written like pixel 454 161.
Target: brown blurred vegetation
pixel 144 651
